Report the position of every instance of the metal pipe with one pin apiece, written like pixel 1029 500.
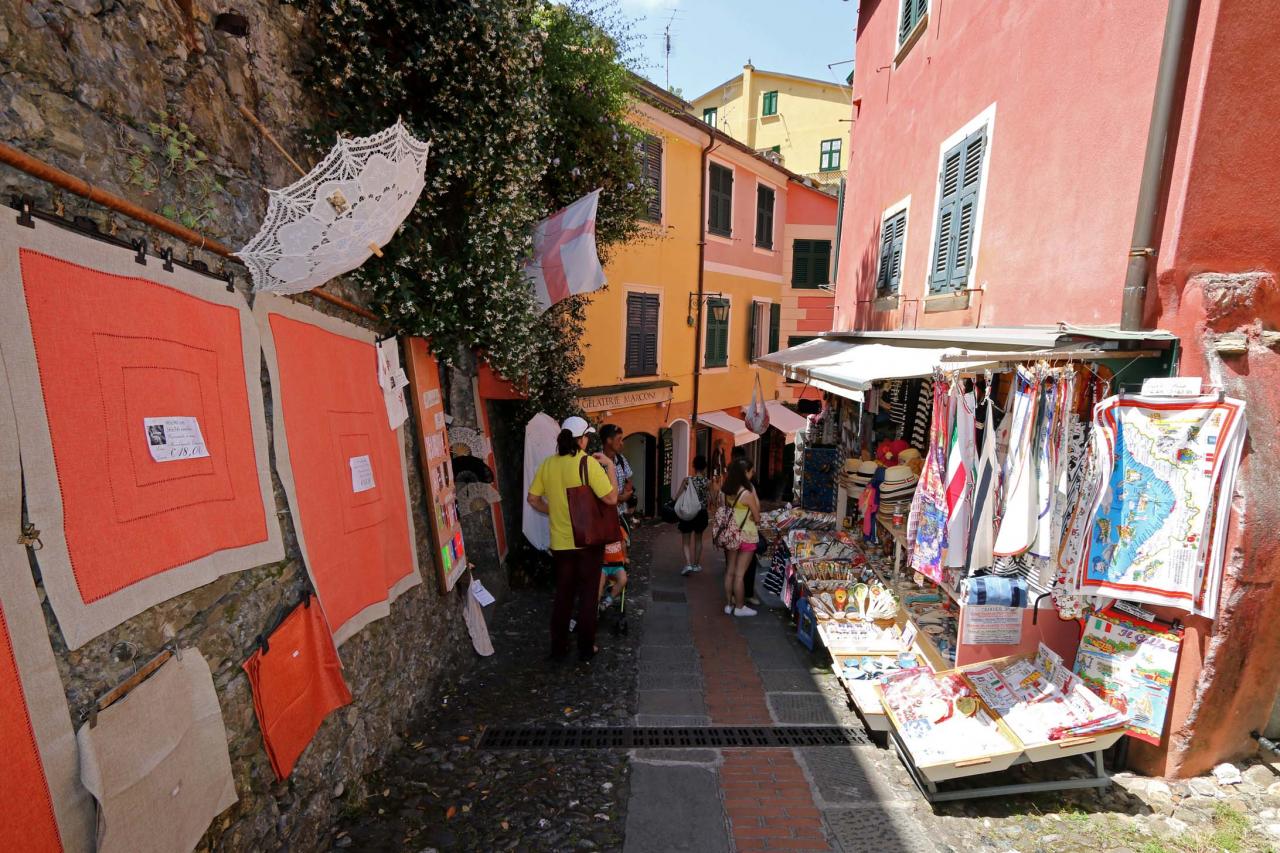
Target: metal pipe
pixel 1141 249
pixel 43 171
pixel 702 251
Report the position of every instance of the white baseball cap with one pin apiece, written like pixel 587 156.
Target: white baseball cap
pixel 577 427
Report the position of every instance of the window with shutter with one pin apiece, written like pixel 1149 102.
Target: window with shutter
pixel 764 216
pixel 912 13
pixel 716 348
pixel 829 155
pixel 892 233
pixel 820 262
pixel 652 168
pixel 800 251
pixel 642 334
pixel 770 106
pixel 753 332
pixel 775 326
pixel 959 184
pixel 720 202
pixel 709 116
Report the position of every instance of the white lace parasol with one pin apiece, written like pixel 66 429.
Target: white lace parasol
pixel 338 214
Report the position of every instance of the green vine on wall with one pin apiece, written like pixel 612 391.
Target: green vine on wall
pixel 170 156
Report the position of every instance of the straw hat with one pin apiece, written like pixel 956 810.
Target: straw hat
pixel 898 475
pixel 907 455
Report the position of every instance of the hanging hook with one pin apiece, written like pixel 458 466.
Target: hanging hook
pixel 140 248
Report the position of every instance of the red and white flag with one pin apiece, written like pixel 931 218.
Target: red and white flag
pixel 564 253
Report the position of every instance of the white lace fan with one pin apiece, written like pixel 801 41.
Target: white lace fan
pixel 344 210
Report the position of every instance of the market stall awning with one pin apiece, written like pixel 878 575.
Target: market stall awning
pixel 726 422
pixel 784 420
pixel 847 368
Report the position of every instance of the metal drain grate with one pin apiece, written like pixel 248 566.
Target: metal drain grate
pixel 660 737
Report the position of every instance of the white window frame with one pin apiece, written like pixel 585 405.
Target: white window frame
pixel 648 290
pixel 988 118
pixel 886 214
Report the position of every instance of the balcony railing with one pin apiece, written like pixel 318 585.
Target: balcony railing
pixel 828 182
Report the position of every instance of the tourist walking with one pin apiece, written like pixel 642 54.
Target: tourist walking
pixel 577 569
pixel 744 506
pixel 692 530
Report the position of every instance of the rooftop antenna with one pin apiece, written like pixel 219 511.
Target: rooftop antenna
pixel 666 33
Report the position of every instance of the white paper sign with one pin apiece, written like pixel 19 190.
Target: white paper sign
pixel 431 398
pixel 171 439
pixel 1172 386
pixel 992 625
pixel 908 636
pixel 392 379
pixel 361 473
pixel 480 594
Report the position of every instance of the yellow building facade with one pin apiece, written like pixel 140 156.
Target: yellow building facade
pixel 805 121
pixel 645 327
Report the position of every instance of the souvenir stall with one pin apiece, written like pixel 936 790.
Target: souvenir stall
pixel 1014 536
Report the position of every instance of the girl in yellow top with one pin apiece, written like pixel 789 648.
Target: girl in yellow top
pixel 577 569
pixel 740 496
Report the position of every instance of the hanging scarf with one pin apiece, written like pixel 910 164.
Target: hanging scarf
pixel 961 458
pixel 1017 524
pixel 982 527
pixel 927 524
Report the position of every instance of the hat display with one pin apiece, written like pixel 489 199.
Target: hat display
pixel 899 474
pixel 577 427
pixel 907 455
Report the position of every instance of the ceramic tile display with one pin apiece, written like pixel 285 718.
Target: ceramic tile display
pixel 436 460
pixel 53 812
pixel 156 761
pixel 342 466
pixel 140 413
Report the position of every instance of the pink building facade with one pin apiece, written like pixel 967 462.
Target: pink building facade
pixel 996 154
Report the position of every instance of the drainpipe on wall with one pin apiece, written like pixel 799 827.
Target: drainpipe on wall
pixel 1141 249
pixel 702 250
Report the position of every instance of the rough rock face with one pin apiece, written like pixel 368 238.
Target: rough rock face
pixel 81 83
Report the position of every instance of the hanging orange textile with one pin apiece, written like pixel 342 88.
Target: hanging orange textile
pixel 297 681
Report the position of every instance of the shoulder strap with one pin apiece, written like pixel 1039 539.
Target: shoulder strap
pixel 582 468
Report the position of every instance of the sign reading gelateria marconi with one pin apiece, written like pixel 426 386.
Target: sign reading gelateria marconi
pixel 625 399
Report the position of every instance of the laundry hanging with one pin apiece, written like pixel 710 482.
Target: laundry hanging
pixel 296 678
pixel 167 486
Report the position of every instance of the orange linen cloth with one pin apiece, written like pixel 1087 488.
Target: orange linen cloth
pixel 27 821
pixel 297 681
pixel 112 351
pixel 357 542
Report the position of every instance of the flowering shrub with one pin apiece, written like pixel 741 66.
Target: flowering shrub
pixel 525 104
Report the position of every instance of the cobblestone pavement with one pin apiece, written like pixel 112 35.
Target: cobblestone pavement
pixel 685 663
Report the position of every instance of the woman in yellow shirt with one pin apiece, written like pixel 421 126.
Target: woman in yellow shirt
pixel 577 569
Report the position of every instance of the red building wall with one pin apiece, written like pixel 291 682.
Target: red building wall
pixel 1072 86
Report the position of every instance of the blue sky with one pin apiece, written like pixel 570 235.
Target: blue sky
pixel 713 39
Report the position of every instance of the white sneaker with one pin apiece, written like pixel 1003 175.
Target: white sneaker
pixel 696 568
pixel 744 611
pixel 728 609
pixel 688 570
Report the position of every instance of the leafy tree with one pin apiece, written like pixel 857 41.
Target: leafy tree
pixel 525 103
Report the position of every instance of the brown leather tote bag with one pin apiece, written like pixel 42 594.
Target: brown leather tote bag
pixel 594 521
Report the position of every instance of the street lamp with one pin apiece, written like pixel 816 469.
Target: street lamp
pixel 719 308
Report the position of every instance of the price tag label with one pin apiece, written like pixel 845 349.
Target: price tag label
pixel 361 473
pixel 1172 386
pixel 172 439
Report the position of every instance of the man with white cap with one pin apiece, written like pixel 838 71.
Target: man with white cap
pixel 577 569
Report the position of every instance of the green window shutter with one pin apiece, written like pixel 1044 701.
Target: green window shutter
pixel 720 206
pixel 764 217
pixel 891 245
pixel 775 326
pixel 649 350
pixel 631 366
pixel 652 169
pixel 967 208
pixel 800 263
pixel 944 241
pixel 821 262
pixel 642 334
pixel 716 351
pixel 752 331
pixel 709 116
pixel 895 266
pixel 908 19
pixel 770 106
pixel 886 258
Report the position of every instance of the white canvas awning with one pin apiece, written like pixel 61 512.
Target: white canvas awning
pixel 784 420
pixel 726 422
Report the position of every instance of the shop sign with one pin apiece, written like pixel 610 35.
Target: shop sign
pixel 626 399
